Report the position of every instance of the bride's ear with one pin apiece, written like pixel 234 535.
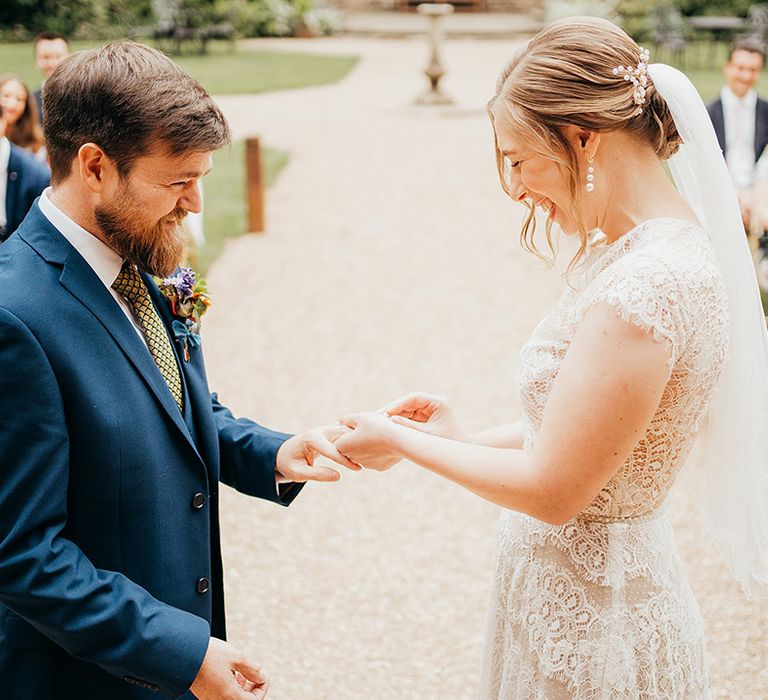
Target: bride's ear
pixel 583 140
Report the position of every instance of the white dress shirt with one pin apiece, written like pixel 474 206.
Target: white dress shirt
pixel 739 121
pixel 5 156
pixel 104 261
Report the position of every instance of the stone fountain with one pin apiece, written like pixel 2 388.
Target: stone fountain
pixel 435 13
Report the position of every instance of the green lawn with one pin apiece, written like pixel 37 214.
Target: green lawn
pixel 253 71
pixel 222 71
pixel 225 206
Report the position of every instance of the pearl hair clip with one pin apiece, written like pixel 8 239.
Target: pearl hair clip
pixel 638 77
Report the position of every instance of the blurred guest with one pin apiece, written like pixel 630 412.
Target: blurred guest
pixel 51 49
pixel 740 119
pixel 22 180
pixel 22 125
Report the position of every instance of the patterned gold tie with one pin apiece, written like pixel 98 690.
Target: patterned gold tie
pixel 133 289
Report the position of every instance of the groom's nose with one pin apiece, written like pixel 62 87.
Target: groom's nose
pixel 191 199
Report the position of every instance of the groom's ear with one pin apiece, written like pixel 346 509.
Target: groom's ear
pixel 95 167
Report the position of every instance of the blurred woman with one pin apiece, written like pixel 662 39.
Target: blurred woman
pixel 20 111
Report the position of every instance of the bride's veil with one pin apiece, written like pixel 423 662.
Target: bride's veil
pixel 735 437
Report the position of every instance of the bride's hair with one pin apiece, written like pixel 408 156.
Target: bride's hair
pixel 564 76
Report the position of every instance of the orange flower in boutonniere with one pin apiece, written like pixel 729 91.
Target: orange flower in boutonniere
pixel 189 301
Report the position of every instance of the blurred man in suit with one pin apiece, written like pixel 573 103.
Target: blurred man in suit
pixel 22 180
pixel 51 48
pixel 740 119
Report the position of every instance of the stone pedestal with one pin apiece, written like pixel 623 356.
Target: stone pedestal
pixel 434 72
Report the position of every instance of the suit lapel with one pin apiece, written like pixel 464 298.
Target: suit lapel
pixel 165 317
pixel 718 121
pixel 195 386
pixel 761 128
pixel 81 281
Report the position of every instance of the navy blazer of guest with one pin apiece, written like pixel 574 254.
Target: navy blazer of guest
pixel 110 562
pixel 27 178
pixel 715 110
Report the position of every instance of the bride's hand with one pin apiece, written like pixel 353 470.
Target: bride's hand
pixel 427 413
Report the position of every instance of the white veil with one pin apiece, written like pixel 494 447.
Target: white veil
pixel 735 436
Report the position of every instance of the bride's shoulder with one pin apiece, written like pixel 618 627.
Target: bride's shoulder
pixel 674 243
pixel 668 256
pixel 673 235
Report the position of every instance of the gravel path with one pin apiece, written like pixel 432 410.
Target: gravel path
pixel 391 263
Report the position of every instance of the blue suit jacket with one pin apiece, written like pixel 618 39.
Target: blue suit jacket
pixel 27 178
pixel 715 110
pixel 108 494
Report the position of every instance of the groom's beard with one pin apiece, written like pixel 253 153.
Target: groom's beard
pixel 155 248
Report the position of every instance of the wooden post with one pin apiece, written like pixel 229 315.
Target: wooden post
pixel 254 184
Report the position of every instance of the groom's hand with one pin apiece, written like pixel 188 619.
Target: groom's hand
pixel 296 456
pixel 226 675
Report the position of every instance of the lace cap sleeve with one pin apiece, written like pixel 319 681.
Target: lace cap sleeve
pixel 648 292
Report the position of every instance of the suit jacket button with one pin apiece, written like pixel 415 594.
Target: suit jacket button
pixel 198 501
pixel 203 585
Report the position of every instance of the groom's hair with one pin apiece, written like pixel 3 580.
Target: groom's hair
pixel 128 99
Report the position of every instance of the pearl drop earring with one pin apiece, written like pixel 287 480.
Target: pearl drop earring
pixel 590 175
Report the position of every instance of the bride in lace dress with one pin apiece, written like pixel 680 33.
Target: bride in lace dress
pixel 590 597
pixel 599 607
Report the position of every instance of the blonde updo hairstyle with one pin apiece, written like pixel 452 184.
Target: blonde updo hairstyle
pixel 564 76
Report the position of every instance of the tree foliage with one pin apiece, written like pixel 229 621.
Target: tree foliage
pixel 72 17
pixel 640 18
pixel 22 19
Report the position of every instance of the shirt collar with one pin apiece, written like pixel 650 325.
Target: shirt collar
pixel 104 261
pixel 749 100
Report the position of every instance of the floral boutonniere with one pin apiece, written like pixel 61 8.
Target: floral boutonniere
pixel 189 300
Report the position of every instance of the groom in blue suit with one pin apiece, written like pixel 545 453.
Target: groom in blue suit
pixel 112 448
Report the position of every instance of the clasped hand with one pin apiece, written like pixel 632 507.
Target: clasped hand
pixel 368 439
pixel 372 440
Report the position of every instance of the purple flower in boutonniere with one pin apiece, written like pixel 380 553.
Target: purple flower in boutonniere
pixel 189 300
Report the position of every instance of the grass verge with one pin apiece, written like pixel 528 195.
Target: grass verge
pixel 222 71
pixel 225 204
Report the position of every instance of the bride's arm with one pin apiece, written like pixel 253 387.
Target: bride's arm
pixel 433 414
pixel 606 392
pixel 510 435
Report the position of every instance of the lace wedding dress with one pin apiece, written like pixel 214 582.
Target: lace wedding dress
pixel 600 607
